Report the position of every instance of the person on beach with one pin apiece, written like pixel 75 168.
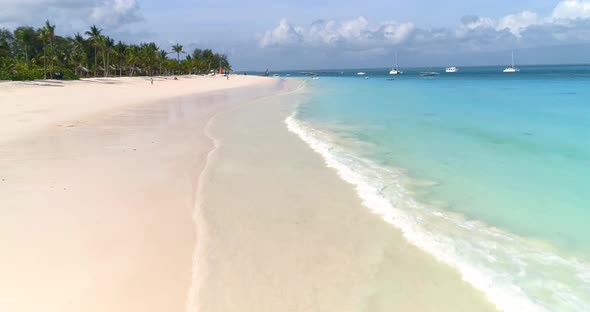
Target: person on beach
pixel 152 80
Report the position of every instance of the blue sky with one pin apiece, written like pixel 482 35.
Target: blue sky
pixel 334 34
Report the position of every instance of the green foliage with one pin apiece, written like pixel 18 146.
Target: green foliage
pixel 6 64
pixel 35 74
pixel 25 75
pixel 68 74
pixel 28 53
pixel 4 75
pixel 6 39
pixel 25 44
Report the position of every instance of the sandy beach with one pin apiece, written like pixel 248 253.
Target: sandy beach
pixel 97 189
pixel 190 195
pixel 293 236
pixel 294 156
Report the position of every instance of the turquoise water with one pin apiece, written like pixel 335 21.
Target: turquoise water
pixel 489 172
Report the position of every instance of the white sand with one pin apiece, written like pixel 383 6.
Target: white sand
pixel 97 190
pixel 26 107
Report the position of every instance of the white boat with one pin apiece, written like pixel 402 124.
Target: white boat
pixel 361 73
pixel 451 69
pixel 511 69
pixel 395 70
pixel 315 78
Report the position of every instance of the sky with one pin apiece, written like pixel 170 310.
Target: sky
pixel 323 34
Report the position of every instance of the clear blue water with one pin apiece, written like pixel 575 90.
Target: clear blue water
pixel 489 172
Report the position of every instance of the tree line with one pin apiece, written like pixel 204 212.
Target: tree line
pixel 28 53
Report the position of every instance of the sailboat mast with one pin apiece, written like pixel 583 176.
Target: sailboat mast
pixel 396 67
pixel 512 59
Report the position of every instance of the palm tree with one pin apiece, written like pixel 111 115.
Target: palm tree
pixel 177 48
pixel 6 41
pixel 188 64
pixel 149 55
pixel 7 62
pixel 208 58
pixel 223 61
pixel 78 51
pixel 132 58
pixel 49 35
pixel 162 57
pixel 107 45
pixel 95 35
pixel 198 59
pixel 26 49
pixel 43 36
pixel 120 53
pixel 63 51
pixel 25 37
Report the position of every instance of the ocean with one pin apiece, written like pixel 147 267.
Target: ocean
pixel 489 172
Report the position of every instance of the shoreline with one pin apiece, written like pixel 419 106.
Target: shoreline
pixel 295 236
pixel 200 223
pixel 103 208
pixel 408 167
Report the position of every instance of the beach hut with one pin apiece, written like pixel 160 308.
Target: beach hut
pixel 99 71
pixel 82 71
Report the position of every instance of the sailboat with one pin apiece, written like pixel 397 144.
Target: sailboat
pixel 395 70
pixel 511 69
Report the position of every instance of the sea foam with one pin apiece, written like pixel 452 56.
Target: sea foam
pixel 514 273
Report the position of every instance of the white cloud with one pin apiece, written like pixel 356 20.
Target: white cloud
pixel 569 23
pixel 116 12
pixel 324 32
pixel 112 13
pixel 473 22
pixel 283 34
pixel 397 33
pixel 358 32
pixel 356 29
pixel 572 9
pixel 516 23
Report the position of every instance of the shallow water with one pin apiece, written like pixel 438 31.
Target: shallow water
pixel 486 171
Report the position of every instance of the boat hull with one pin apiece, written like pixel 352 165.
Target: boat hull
pixel 511 70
